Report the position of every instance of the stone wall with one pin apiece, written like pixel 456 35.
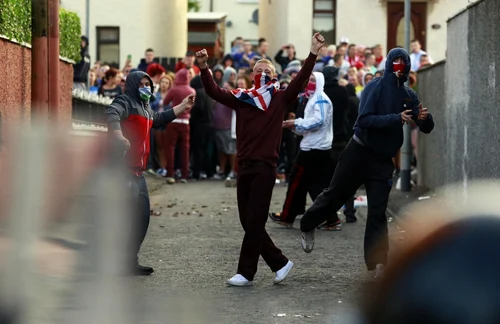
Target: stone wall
pixel 15 78
pixel 465 144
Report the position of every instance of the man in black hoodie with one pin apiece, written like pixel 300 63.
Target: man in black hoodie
pixel 202 131
pixel 81 69
pixel 340 100
pixel 386 105
pixel 130 119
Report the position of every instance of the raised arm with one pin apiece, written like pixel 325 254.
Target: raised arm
pixel 165 117
pixel 295 86
pixel 215 92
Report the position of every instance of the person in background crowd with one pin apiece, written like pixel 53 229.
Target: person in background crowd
pixel 379 56
pixel 416 54
pixel 288 150
pixel 343 65
pixel 331 50
pixel 378 74
pixel 293 68
pixel 237 45
pixel 155 71
pixel 93 85
pixel 312 169
pixel 218 73
pixel 121 80
pixel 370 63
pixel 226 144
pixel 149 57
pixel 127 69
pixel 243 82
pixel 352 114
pixel 243 58
pixel 129 119
pixel 230 75
pixel 386 106
pixel 187 62
pixel 262 49
pixel 228 61
pixel 342 130
pixel 360 52
pixel 159 136
pixel 424 61
pixel 101 72
pixel 110 85
pixel 367 77
pixel 285 55
pixel 353 80
pixel 243 71
pixel 352 58
pixel 259 123
pixel 344 41
pixel 81 69
pixel 202 132
pixel 321 60
pixel 178 131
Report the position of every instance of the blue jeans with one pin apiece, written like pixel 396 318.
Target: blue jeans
pixel 140 218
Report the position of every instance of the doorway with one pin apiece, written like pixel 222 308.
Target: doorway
pixel 396 23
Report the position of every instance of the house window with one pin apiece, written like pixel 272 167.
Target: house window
pixel 108 45
pixel 324 19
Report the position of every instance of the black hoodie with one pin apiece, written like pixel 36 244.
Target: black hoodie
pixel 135 118
pixel 379 125
pixel 352 114
pixel 340 101
pixel 201 113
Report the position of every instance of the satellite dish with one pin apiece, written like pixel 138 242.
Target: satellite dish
pixel 255 17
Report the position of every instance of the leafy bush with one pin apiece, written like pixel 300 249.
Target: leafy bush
pixel 15 23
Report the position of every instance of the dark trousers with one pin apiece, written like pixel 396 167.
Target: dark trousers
pixel 153 160
pixel 139 199
pixel 358 165
pixel 255 183
pixel 311 173
pixel 349 204
pixel 201 138
pixel 288 150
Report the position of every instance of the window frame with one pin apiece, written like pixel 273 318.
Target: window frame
pixel 333 12
pixel 100 42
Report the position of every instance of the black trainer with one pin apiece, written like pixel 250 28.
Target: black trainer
pixel 350 219
pixel 275 217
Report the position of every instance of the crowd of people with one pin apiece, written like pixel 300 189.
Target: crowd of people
pixel 202 144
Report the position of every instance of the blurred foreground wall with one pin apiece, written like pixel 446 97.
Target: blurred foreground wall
pixel 463 96
pixel 15 81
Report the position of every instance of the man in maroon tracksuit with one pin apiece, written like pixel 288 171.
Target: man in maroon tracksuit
pixel 259 119
pixel 129 119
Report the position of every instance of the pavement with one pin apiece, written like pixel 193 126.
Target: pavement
pixel 194 246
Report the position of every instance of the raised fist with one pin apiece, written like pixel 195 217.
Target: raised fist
pixel 202 58
pixel 318 41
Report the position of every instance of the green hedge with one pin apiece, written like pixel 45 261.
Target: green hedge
pixel 15 23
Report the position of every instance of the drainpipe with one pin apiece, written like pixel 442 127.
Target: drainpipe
pixel 54 80
pixel 211 5
pixel 39 60
pixel 407 149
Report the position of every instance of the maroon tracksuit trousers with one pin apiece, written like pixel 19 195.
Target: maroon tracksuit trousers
pixel 255 185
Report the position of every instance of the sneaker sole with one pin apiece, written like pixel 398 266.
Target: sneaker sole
pixel 232 284
pixel 281 223
pixel 332 229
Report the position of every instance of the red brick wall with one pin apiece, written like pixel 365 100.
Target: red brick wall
pixel 15 78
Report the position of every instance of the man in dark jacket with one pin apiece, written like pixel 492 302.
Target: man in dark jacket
pixel 147 60
pixel 340 100
pixel 81 69
pixel 386 105
pixel 202 131
pixel 129 119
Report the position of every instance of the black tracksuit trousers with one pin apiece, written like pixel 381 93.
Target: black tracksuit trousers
pixel 358 165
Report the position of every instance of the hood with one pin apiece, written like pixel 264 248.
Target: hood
pixel 86 39
pixel 331 75
pixel 196 83
pixel 227 73
pixel 320 83
pixel 218 67
pixel 132 84
pixel 293 66
pixel 364 78
pixel 181 77
pixel 393 54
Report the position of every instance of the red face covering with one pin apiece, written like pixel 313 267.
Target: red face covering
pixel 399 69
pixel 310 88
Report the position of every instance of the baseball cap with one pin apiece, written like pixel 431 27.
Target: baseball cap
pixel 344 40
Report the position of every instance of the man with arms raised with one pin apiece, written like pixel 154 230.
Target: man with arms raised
pixel 259 117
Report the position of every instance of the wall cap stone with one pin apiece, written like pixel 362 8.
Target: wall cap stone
pixel 464 10
pixel 14 41
pixel 426 68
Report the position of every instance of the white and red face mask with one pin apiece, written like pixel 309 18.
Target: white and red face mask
pixel 399 69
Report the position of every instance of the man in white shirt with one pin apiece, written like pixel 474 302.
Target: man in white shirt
pixel 312 169
pixel 416 53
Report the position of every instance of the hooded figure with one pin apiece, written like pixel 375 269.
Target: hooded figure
pixel 367 159
pixel 379 121
pixel 129 119
pixel 312 169
pixel 228 71
pixel 81 69
pixel 178 133
pixel 218 69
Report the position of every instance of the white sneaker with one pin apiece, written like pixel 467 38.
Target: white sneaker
pixel 308 241
pixel 239 281
pixel 283 272
pixel 379 271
